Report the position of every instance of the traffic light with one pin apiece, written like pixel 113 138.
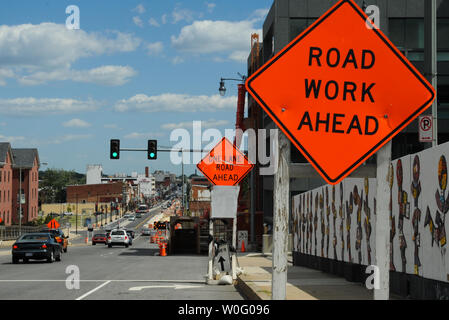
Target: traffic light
pixel 152 149
pixel 115 149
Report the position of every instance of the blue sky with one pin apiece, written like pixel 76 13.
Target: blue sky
pixel 134 71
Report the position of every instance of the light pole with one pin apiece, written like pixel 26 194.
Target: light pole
pixel 237 140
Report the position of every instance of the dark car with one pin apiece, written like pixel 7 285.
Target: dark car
pixel 99 238
pixel 132 233
pixel 36 246
pixel 60 237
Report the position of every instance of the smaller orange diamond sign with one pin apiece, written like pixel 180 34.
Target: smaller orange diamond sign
pixel 225 165
pixel 53 224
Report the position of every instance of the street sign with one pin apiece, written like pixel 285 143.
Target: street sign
pixel 425 128
pixel 340 91
pixel 223 258
pixel 53 224
pixel 225 165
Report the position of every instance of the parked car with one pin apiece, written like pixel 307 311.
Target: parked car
pixel 118 237
pixel 99 238
pixel 60 237
pixel 36 246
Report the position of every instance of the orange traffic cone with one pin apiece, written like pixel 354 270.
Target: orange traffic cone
pixel 243 247
pixel 162 249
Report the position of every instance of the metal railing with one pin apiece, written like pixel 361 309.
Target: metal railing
pixel 13 232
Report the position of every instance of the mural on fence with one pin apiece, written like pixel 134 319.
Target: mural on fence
pixel 338 222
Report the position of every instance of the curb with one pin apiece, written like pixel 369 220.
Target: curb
pixel 246 290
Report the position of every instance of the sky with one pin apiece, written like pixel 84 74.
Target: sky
pixel 134 70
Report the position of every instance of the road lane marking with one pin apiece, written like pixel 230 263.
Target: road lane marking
pixel 176 287
pixel 93 290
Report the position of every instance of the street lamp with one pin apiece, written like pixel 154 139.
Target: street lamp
pixel 222 88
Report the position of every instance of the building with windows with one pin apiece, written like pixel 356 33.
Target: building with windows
pixel 6 164
pixel 25 182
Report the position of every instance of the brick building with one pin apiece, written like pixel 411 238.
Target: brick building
pixel 25 175
pixel 95 193
pixel 6 163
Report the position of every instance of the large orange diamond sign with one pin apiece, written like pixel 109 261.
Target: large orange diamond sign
pixel 225 165
pixel 340 91
pixel 53 224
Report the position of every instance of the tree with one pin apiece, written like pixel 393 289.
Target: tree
pixel 53 183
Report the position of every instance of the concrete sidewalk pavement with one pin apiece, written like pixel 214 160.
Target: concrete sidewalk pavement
pixel 302 283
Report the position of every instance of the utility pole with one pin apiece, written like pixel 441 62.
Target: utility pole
pixel 431 58
pixel 281 196
pixel 20 201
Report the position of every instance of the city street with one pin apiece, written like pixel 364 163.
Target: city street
pixel 113 273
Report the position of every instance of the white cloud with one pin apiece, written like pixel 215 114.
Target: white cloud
pixel 104 75
pixel 176 103
pixel 188 124
pixel 138 22
pixel 12 139
pixel 69 137
pixel 110 126
pixel 45 106
pixel 139 9
pixel 50 47
pixel 76 123
pixel 153 22
pixel 180 14
pixel 207 37
pixel 155 48
pixel 142 135
pixel 4 74
pixel 260 14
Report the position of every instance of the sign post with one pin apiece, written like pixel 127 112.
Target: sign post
pixel 225 166
pixel 383 223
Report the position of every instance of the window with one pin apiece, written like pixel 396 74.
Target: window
pixel 409 36
pixel 298 25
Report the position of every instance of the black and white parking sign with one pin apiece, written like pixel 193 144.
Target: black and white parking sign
pixel 425 128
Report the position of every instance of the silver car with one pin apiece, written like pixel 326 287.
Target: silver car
pixel 118 237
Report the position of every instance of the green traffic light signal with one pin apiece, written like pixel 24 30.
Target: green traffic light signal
pixel 152 149
pixel 115 149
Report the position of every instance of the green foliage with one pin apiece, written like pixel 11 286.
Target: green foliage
pixel 53 183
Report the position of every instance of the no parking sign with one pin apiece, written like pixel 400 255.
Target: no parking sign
pixel 425 128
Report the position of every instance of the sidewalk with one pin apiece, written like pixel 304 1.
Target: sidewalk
pixel 302 283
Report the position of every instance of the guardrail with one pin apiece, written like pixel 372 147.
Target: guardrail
pixel 13 232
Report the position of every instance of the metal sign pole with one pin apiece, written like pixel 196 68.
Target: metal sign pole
pixel 383 223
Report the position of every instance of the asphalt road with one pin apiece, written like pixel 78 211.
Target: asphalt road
pixel 116 273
